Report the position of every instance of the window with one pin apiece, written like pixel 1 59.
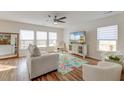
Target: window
pixel 41 39
pixel 107 38
pixel 52 38
pixel 26 37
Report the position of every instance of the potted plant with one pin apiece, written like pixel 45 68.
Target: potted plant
pixel 115 58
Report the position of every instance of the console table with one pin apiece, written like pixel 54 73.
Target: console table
pixel 79 49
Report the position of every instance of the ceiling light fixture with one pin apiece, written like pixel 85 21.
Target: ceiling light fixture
pixel 56 20
pixel 55 23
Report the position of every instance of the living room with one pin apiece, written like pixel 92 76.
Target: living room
pixel 65 46
pixel 61 45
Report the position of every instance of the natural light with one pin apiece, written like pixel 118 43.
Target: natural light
pixel 27 37
pixel 41 39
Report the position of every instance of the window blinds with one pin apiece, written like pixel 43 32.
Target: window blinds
pixel 107 33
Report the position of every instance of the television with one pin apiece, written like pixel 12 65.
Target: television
pixel 78 37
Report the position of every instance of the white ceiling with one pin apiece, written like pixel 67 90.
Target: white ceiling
pixel 41 17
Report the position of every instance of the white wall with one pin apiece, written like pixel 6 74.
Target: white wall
pixel 91 27
pixel 14 27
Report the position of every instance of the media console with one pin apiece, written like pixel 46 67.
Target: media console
pixel 79 49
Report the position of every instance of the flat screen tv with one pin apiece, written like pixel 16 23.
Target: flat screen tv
pixel 78 37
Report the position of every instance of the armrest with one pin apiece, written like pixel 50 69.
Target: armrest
pixel 45 56
pixel 102 63
pixel 93 68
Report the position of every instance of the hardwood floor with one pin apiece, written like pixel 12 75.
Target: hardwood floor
pixel 55 76
pixel 22 72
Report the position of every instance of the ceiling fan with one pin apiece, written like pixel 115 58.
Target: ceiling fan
pixel 57 20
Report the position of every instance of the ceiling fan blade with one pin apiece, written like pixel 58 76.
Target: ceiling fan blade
pixel 61 18
pixel 61 21
pixel 55 19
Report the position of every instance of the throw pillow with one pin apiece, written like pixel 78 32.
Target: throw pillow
pixel 30 48
pixel 36 52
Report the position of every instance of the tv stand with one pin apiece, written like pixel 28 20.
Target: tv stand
pixel 79 49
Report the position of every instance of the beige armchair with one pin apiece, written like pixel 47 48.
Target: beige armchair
pixel 103 71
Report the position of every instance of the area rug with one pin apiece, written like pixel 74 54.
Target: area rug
pixel 68 63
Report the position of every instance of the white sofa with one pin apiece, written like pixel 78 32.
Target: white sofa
pixel 43 64
pixel 103 71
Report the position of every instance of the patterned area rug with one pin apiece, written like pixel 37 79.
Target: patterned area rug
pixel 68 63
